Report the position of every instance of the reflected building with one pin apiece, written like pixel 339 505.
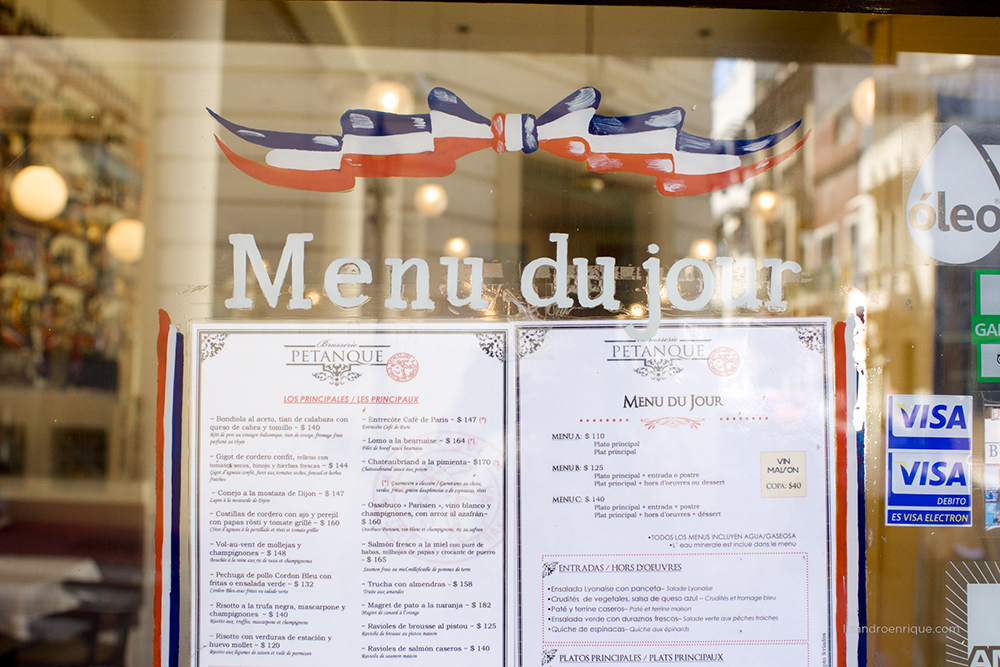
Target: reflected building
pixel 838 209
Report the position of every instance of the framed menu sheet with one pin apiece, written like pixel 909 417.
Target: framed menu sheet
pixel 676 494
pixel 349 494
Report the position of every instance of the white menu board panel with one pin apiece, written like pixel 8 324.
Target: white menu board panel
pixel 348 495
pixel 675 495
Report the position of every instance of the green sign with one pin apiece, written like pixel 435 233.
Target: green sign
pixel 986 326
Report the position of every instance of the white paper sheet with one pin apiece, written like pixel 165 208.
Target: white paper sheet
pixel 676 494
pixel 349 495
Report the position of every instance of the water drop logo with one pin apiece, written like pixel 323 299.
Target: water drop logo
pixel 952 210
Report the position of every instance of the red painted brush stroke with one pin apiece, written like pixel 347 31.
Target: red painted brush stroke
pixel 437 163
pixel 161 397
pixel 840 586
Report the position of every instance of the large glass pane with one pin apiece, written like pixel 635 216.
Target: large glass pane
pixel 775 164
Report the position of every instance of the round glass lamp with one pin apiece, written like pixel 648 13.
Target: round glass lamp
pixel 38 193
pixel 389 96
pixel 457 247
pixel 125 240
pixel 430 199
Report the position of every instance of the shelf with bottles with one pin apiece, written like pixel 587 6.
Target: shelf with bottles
pixel 64 301
pixel 40 68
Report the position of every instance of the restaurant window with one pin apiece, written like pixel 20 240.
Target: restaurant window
pixel 497 333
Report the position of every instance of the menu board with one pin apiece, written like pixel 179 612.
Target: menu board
pixel 675 493
pixel 363 494
pixel 349 495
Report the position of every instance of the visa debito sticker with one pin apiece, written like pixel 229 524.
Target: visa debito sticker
pixel 928 461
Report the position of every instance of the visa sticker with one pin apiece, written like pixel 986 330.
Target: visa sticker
pixel 930 422
pixel 928 460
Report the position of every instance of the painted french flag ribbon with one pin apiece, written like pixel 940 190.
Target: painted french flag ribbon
pixel 379 144
pixel 167 585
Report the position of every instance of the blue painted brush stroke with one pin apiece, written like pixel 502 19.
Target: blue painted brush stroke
pixel 359 122
pixel 365 123
pixel 689 143
pixel 657 120
pixel 673 118
pixel 695 144
pixel 445 101
pixel 173 660
pixel 585 98
pixel 272 139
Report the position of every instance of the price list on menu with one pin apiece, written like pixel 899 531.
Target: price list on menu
pixel 349 495
pixel 674 493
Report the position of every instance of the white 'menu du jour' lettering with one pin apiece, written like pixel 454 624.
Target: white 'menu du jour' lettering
pixel 725 275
